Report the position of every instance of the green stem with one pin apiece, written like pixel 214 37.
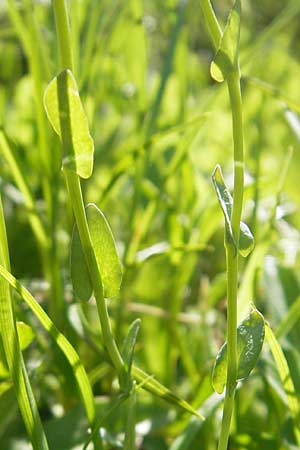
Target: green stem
pixel 233 83
pixel 27 31
pixel 75 195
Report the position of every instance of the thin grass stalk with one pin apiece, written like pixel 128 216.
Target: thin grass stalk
pixel 28 35
pixel 14 357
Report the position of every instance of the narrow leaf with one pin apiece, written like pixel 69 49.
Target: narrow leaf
pixel 246 239
pixel 226 59
pixel 127 354
pixel 61 342
pixel 250 338
pixel 66 115
pixel 158 389
pixel 129 342
pixel 224 197
pixel 285 376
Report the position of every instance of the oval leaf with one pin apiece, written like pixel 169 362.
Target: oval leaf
pixel 80 277
pixel 250 338
pixel 106 255
pixel 226 59
pixel 105 251
pixel 66 115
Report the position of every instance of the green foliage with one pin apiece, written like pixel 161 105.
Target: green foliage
pixel 66 115
pixel 226 58
pixel 250 338
pixel 106 256
pixel 246 239
pixel 159 124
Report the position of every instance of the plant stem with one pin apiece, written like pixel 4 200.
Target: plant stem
pixel 233 83
pixel 75 195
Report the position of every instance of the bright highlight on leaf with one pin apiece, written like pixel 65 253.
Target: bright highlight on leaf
pixel 25 334
pixel 66 115
pixel 250 338
pixel 226 59
pixel 246 239
pixel 106 255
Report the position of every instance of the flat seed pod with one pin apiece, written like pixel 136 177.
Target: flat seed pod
pixel 66 115
pixel 250 338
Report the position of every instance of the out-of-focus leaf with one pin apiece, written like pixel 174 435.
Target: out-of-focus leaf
pixel 285 377
pixel 289 320
pixel 106 255
pixel 25 334
pixel 250 338
pixel 66 115
pixel 158 389
pixel 226 59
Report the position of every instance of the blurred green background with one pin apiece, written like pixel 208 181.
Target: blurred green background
pixel 160 125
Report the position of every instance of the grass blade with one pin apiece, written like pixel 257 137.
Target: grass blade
pixel 285 377
pixel 14 356
pixel 61 341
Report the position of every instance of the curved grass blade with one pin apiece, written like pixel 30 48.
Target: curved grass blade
pixel 289 320
pixel 156 388
pixel 62 342
pixel 66 115
pixel 14 357
pixel 286 379
pixel 250 338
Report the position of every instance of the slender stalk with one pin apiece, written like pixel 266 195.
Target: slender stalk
pixel 24 393
pixel 75 195
pixel 233 83
pixel 26 28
